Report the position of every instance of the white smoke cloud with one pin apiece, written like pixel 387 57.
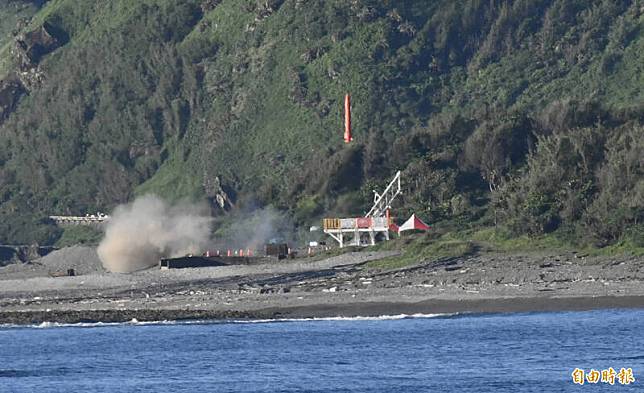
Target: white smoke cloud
pixel 142 232
pixel 254 228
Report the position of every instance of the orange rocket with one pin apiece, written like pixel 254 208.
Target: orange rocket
pixel 347 119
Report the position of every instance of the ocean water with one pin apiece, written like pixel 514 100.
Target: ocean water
pixel 534 352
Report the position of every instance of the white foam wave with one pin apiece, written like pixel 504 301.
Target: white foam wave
pixel 135 322
pixel 348 319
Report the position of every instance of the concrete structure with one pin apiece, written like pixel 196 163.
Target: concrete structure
pixel 203 261
pixel 80 220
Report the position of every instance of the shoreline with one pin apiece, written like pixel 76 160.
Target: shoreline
pixel 341 310
pixel 345 285
pixel 473 306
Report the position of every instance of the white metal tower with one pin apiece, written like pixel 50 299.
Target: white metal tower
pixel 362 231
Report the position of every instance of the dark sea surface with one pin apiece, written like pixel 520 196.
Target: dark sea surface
pixel 535 352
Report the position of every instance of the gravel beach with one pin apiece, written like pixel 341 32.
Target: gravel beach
pixel 316 287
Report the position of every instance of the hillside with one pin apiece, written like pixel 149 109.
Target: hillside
pixel 527 115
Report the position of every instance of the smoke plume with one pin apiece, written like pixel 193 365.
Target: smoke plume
pixel 254 228
pixel 140 233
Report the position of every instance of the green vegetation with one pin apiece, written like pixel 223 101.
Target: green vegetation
pixel 524 116
pixel 422 249
pixel 79 234
pixel 171 183
pixel 444 244
pixel 12 12
pixel 502 240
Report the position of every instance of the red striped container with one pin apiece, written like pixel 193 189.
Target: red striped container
pixel 364 222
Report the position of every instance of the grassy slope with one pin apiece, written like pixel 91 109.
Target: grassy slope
pixel 10 13
pixel 277 125
pixel 243 117
pixel 420 248
pixel 79 234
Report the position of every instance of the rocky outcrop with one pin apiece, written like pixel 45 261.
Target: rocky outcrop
pixel 28 51
pixel 32 46
pixel 216 193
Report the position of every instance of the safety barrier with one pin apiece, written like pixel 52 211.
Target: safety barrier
pixel 335 224
pixel 331 223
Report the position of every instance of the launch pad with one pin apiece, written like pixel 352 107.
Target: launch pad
pixel 365 231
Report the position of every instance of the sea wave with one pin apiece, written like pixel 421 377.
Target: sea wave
pixel 135 322
pixel 349 319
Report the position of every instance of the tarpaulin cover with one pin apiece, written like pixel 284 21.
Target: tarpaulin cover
pixel 414 223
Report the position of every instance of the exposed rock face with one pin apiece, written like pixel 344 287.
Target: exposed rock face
pixel 11 90
pixel 215 192
pixel 32 46
pixel 29 49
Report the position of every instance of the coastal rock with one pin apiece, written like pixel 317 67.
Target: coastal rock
pixel 336 285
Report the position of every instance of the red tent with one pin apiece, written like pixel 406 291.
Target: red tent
pixel 393 227
pixel 414 223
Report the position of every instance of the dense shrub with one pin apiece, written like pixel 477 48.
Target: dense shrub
pixel 524 102
pixel 586 177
